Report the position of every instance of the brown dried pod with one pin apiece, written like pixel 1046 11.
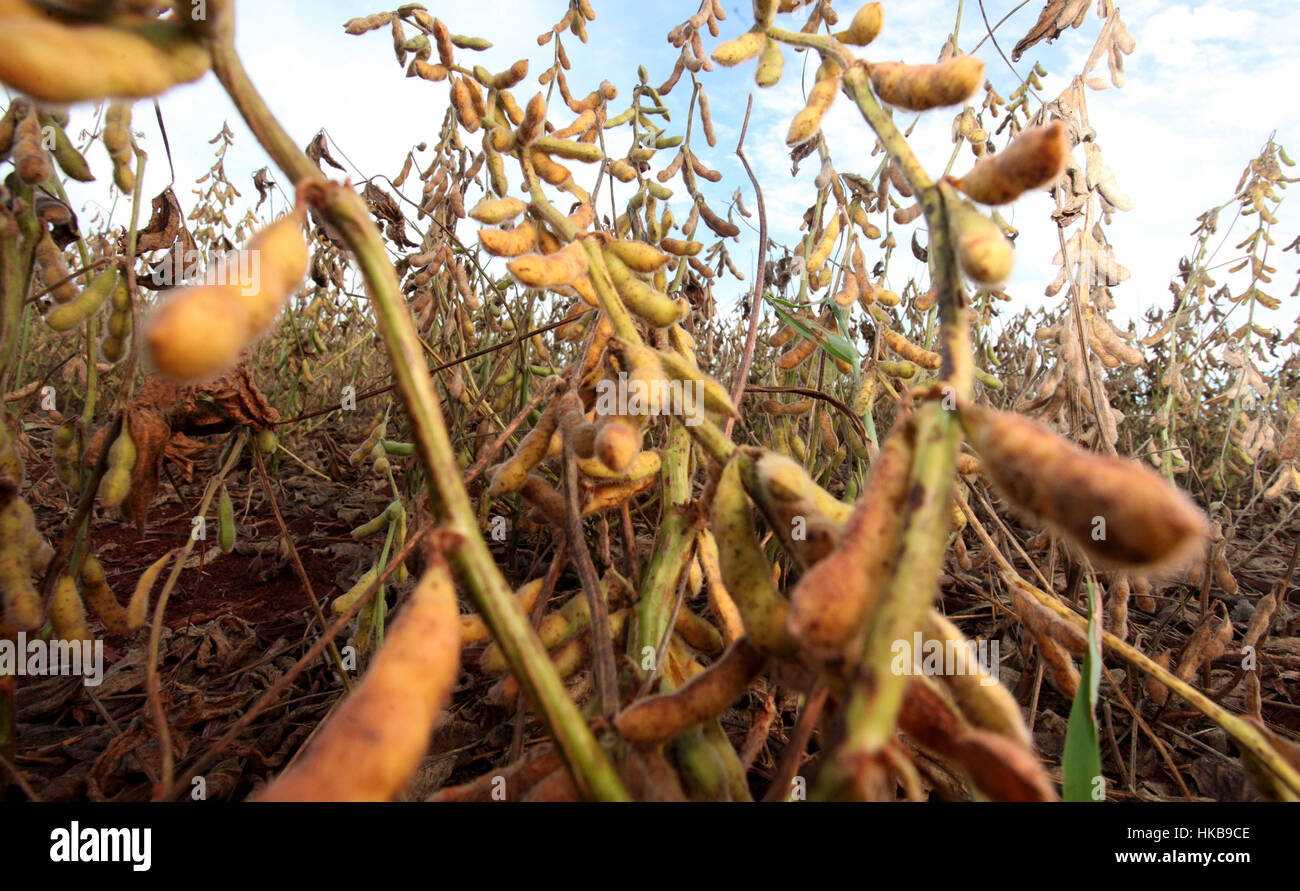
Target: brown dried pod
pixel 510 476
pixel 543 496
pixel 1035 159
pixel 1289 447
pixel 463 101
pixel 1118 511
pixel 1120 591
pixel 807 123
pixel 54 271
pixel 655 720
pixel 921 87
pixel 834 598
pixel 374 742
pixel 797 354
pixel 1156 691
pixel 509 242
pixel 1001 767
pixel 1206 644
pixel 1142 592
pixel 910 351
pixel 30 159
pixel 618 441
pixel 1044 623
pixel 799 407
pixel 507 783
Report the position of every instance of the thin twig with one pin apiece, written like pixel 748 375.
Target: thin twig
pixel 19 779
pixel 298 567
pixel 497 444
pixel 539 608
pixel 756 297
pixel 812 393
pixel 792 754
pixel 379 391
pixel 602 640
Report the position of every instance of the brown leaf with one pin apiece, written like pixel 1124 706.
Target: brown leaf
pixel 319 151
pixel 166 222
pixel 150 432
pixel 1055 17
pixel 231 400
pixel 262 182
pixel 181 451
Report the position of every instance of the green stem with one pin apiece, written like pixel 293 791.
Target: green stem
pixel 17 258
pixel 472 560
pixel 672 551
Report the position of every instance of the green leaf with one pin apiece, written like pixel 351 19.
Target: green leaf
pixel 835 345
pixel 838 346
pixel 1081 763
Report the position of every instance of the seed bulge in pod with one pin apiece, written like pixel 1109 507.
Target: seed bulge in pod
pixel 1117 510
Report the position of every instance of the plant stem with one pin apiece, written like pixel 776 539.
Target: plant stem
pixel 472 560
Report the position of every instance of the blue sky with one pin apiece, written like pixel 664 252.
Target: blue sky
pixel 1207 84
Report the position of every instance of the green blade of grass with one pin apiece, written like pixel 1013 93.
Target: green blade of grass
pixel 1081 763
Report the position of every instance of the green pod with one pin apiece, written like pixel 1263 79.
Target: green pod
pixel 716 397
pixel 69 315
pixel 399 540
pixel 112 348
pixel 69 159
pixel 21 602
pixel 379 523
pixel 226 519
pixel 267 441
pixel 344 602
pixel 67 455
pixel 651 305
pixel 702 772
pixel 11 461
pixel 121 297
pixel 375 436
pixel 119 324
pixel 380 459
pixel 116 483
pixel 660 192
pixel 902 369
pixel 771 64
pixel 746 573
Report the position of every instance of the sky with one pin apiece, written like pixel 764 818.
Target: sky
pixel 1207 84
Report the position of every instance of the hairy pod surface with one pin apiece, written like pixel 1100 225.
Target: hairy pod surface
pixel 985 254
pixel 1117 510
pixel 99 596
pixel 656 719
pixel 922 87
pixel 1035 159
pixel 22 603
pixel 61 63
pixel 374 742
pixel 832 601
